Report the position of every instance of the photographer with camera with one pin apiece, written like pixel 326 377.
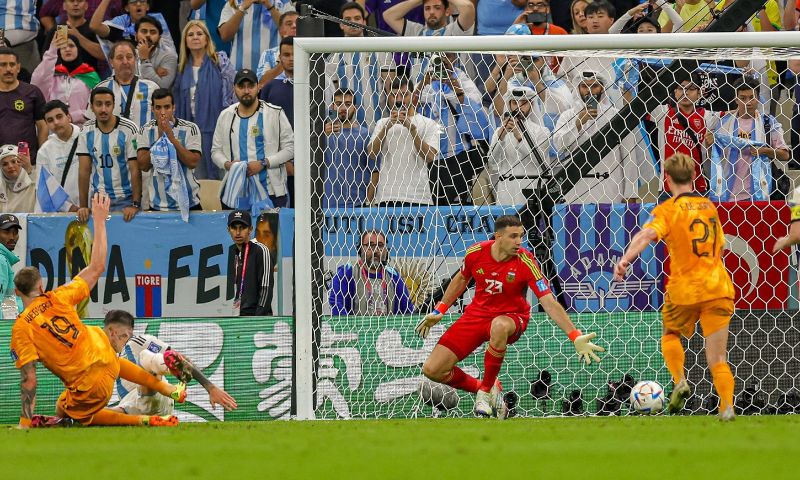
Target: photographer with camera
pixel 518 152
pixel 449 97
pixel 612 180
pixel 536 16
pixel 406 143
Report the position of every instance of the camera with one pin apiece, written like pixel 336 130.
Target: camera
pixel 437 67
pixel 536 18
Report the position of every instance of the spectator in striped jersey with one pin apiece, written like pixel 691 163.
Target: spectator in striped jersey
pixel 268 65
pixel 184 136
pixel 107 158
pixel 21 25
pixel 252 25
pixel 364 73
pixel 257 133
pixel 131 93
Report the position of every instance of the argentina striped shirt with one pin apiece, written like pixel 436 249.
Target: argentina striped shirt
pixel 188 134
pixel 141 110
pixel 109 154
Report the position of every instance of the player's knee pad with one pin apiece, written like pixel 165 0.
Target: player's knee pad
pixel 153 362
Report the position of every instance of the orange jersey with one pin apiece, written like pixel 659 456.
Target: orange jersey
pixel 50 331
pixel 690 226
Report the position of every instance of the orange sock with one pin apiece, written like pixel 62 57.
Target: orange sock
pixel 134 373
pixel 674 357
pixel 110 417
pixel 723 384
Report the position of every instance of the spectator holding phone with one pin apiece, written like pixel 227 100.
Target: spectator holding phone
pixel 612 179
pixel 64 75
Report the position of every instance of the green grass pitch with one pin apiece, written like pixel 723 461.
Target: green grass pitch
pixel 569 448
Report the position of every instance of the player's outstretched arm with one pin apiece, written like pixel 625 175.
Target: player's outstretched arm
pixel 216 395
pixel 792 239
pixel 454 290
pixel 101 204
pixel 583 345
pixel 27 388
pixel 639 242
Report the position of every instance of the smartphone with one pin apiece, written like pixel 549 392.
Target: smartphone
pixel 23 149
pixel 536 18
pixel 2 36
pixel 651 6
pixel 591 102
pixel 61 33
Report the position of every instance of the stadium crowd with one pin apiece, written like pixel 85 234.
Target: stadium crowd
pixel 148 100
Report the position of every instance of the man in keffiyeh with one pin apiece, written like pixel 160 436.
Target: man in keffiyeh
pixel 742 149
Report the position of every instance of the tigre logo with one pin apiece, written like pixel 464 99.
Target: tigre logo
pixel 19 105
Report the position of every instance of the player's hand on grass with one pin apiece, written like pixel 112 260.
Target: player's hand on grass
pixel 218 396
pixel 586 348
pixel 424 325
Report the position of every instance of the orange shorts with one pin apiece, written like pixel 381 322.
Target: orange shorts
pixel 81 402
pixel 713 315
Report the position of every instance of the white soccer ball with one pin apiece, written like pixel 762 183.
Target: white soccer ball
pixel 647 397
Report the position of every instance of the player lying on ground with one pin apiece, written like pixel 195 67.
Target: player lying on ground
pixel 699 285
pixel 499 313
pixel 158 358
pixel 83 357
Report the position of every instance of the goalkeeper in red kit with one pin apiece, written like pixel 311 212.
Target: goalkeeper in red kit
pixel 499 313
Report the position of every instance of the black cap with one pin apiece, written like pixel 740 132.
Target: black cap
pixel 245 74
pixel 9 221
pixel 238 216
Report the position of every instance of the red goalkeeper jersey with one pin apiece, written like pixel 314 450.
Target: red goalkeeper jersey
pixel 500 287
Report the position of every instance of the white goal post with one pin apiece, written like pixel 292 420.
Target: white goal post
pixel 769 45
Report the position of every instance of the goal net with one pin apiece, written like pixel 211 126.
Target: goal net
pixel 414 147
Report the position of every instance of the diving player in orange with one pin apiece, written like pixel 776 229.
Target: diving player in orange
pixel 83 357
pixel 699 285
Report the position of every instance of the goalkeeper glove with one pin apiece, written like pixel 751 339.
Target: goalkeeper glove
pixel 585 347
pixel 431 319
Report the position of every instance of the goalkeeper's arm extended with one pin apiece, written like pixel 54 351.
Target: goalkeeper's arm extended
pixel 456 288
pixel 583 343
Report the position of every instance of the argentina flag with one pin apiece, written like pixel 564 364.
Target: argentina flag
pixel 590 239
pixel 50 195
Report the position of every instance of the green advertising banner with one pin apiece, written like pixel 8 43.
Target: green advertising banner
pixel 369 367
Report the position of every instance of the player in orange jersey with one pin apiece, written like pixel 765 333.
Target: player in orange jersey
pixel 83 357
pixel 793 238
pixel 499 313
pixel 699 285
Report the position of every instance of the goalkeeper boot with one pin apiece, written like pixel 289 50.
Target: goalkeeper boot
pixel 484 404
pixel 727 415
pixel 161 421
pixel 678 398
pixel 500 407
pixel 179 395
pixel 178 365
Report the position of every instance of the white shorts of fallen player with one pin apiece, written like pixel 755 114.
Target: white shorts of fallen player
pixel 152 403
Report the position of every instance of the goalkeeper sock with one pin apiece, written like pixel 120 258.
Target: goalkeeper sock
pixel 460 380
pixel 110 417
pixel 492 361
pixel 132 372
pixel 723 384
pixel 674 357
